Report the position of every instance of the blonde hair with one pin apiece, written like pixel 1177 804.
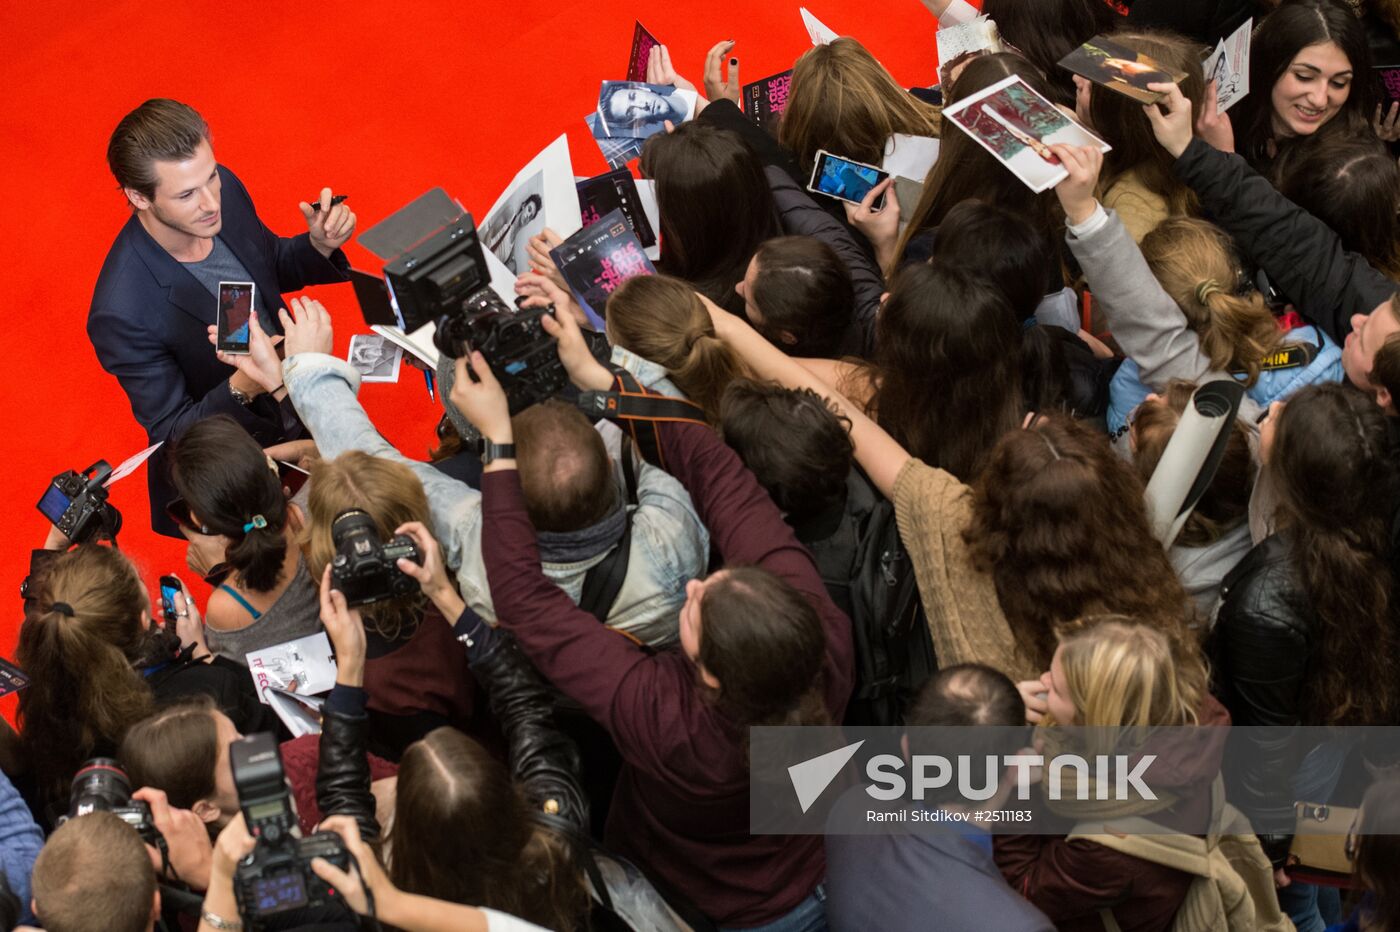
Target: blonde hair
pixel 843 100
pixel 1122 673
pixel 1197 266
pixel 662 319
pixel 390 494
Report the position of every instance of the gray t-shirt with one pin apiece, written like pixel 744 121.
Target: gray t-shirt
pixel 221 265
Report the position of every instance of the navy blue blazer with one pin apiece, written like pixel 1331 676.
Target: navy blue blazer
pixel 149 325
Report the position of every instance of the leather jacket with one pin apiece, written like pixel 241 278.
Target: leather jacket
pixel 1261 651
pixel 342 771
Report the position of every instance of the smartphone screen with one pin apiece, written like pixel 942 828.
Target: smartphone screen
pixel 169 588
pixel 292 477
pixel 54 504
pixel 235 313
pixel 841 178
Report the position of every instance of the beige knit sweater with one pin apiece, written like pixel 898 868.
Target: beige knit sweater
pixel 964 617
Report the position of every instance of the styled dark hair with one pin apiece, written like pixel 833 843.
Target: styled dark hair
pixel 962 695
pixel 93 875
pixel 462 832
pixel 1059 521
pixel 802 288
pixel 947 366
pixel 84 690
pixel 1349 182
pixel 159 130
pixel 1226 500
pixel 1378 855
pixel 565 473
pixel 175 750
pixel 1045 31
pixel 716 207
pixel 966 171
pixel 1122 123
pixel 1291 27
pixel 765 644
pixel 795 444
pixel 1339 490
pixel 224 477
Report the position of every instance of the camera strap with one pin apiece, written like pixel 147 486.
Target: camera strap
pixel 636 411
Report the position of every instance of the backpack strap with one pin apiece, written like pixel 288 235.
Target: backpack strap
pixel 603 582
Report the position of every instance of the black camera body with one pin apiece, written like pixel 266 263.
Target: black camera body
pixel 101 785
pixel 276 876
pixel 444 281
pixel 76 503
pixel 365 568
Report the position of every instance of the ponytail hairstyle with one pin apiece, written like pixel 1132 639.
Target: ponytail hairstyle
pixel 1197 266
pixel 227 481
pixel 391 495
pixel 1121 673
pixel 1225 503
pixel 80 650
pixel 844 101
pixel 463 832
pixel 966 171
pixel 662 319
pixel 1120 120
pixel 1339 490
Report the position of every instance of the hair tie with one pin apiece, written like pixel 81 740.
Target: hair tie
pixel 63 608
pixel 257 521
pixel 1207 288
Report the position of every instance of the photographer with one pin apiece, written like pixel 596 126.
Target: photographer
pixel 98 664
pixel 94 876
pixel 569 477
pixel 762 643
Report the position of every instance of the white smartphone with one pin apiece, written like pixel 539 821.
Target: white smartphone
pixel 844 179
pixel 235 316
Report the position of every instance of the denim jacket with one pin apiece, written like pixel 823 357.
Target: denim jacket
pixel 669 544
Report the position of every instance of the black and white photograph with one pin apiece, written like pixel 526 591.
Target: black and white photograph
pixel 374 357
pixel 507 230
pixel 638 110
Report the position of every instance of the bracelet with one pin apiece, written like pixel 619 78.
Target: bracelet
pixel 218 922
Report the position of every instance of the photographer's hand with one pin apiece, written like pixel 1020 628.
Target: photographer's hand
pixel 584 370
pixel 542 290
pixel 1076 193
pixel 310 330
pixel 432 575
pixel 232 846
pixel 186 839
pixel 482 401
pixel 346 630
pixel 56 540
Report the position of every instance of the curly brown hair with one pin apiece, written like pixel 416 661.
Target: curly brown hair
pixel 1060 522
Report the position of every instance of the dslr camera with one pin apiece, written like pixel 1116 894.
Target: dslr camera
pixel 276 876
pixel 76 503
pixel 101 785
pixel 444 281
pixel 365 569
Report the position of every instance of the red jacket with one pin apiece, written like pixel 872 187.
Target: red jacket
pixel 681 806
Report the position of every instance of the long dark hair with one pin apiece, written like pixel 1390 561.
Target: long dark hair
pixel 965 170
pixel 947 367
pixel 716 207
pixel 1339 489
pixel 1045 31
pixel 462 832
pixel 224 477
pixel 1349 182
pixel 1292 27
pixel 1060 522
pixel 84 690
pixel 1122 123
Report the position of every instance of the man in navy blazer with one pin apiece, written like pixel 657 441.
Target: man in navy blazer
pixel 193 225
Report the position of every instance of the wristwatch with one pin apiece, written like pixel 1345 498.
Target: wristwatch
pixel 490 452
pixel 242 398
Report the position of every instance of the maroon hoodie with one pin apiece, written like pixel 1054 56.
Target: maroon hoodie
pixel 1070 881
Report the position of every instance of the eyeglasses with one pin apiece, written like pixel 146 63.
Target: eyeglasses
pixel 178 510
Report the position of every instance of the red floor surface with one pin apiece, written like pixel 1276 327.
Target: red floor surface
pixel 381 101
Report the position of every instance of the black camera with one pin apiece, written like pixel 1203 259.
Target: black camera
pixel 445 281
pixel 365 569
pixel 277 875
pixel 101 785
pixel 76 503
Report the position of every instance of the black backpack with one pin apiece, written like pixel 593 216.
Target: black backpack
pixel 869 574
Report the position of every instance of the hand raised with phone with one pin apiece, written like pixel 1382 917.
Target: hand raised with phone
pixel 260 364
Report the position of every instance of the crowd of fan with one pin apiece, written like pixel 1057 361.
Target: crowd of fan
pixel 514 755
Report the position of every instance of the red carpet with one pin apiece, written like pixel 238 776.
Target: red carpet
pixel 381 101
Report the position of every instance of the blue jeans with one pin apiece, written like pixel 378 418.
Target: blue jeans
pixel 1313 908
pixel 807 916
